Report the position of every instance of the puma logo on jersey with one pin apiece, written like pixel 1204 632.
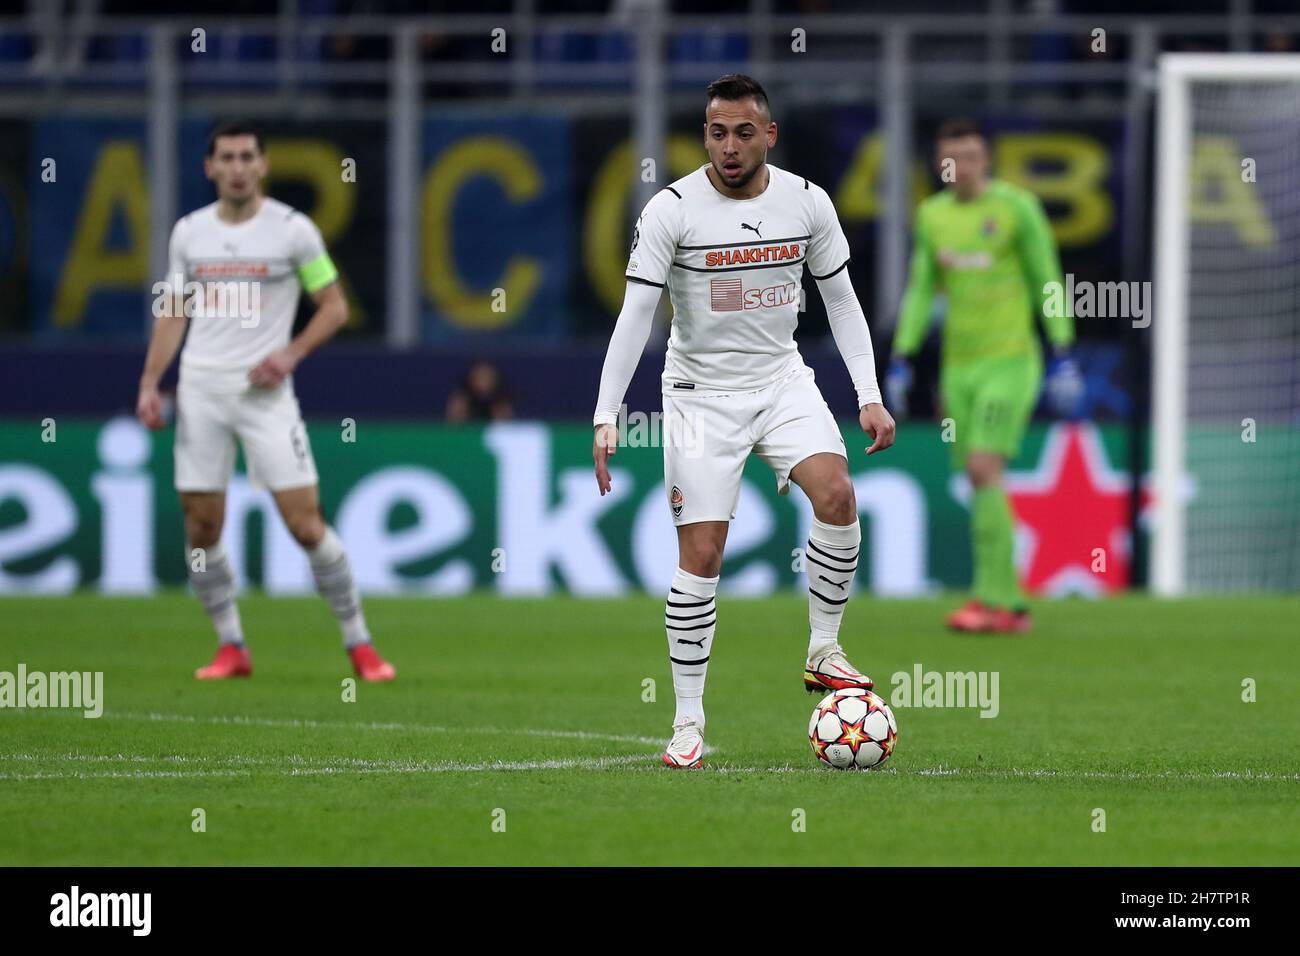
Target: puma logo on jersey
pixel 753 229
pixel 752 255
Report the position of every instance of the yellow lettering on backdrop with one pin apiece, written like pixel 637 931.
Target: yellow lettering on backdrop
pixel 512 167
pixel 606 237
pixel 116 185
pixel 1077 180
pixel 857 197
pixel 1220 196
pixel 316 162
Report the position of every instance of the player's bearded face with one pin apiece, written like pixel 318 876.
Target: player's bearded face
pixel 737 136
pixel 236 167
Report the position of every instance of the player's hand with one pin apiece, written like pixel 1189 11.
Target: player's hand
pixel 604 444
pixel 149 407
pixel 1064 385
pixel 273 369
pixel 898 382
pixel 879 424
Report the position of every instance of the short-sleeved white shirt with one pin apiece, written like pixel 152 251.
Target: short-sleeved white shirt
pixel 267 249
pixel 734 271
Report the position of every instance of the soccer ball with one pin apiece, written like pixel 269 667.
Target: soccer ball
pixel 852 729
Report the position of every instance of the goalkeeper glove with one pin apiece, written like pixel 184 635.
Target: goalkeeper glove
pixel 898 382
pixel 1064 385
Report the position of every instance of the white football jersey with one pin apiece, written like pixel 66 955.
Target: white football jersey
pixel 252 273
pixel 734 271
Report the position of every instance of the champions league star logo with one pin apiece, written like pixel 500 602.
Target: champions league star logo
pixel 636 236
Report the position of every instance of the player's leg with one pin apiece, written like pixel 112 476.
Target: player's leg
pixel 705 448
pixel 1003 401
pixel 300 509
pixel 209 570
pixel 959 384
pixel 279 457
pixel 204 457
pixel 830 564
pixel 992 535
pixel 801 442
pixel 690 620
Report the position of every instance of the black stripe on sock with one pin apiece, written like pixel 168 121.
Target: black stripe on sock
pixel 688 617
pixel 676 660
pixel 828 600
pixel 813 560
pixel 697 627
pixel 850 559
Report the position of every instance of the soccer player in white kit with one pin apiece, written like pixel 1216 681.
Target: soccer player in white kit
pixel 251 255
pixel 730 242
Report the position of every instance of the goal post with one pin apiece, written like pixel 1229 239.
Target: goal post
pixel 1226 347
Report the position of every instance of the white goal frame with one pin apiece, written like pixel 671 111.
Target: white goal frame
pixel 1170 255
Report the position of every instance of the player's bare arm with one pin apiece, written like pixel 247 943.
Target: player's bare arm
pixel 164 343
pixel 330 316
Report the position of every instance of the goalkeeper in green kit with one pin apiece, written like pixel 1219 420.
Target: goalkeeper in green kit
pixel 987 245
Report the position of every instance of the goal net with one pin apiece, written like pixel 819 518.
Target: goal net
pixel 1226 402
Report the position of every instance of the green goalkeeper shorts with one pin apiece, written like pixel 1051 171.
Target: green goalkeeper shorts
pixel 989 402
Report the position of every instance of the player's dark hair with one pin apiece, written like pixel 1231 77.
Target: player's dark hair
pixel 737 86
pixel 234 128
pixel 957 128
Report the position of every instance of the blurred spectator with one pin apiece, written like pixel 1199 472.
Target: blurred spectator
pixel 1277 41
pixel 481 396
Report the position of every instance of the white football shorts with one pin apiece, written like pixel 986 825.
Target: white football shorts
pixel 267 423
pixel 708 436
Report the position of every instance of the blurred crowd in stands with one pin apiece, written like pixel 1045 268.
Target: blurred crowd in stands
pixel 59 38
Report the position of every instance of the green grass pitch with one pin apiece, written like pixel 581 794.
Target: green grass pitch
pixel 535 707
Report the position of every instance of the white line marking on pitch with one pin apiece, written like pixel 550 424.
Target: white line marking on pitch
pixel 299 766
pixel 303 724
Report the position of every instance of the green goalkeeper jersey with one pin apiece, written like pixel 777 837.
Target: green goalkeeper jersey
pixel 991 256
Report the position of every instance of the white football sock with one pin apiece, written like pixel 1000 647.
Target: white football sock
pixel 690 619
pixel 333 574
pixel 830 560
pixel 215 587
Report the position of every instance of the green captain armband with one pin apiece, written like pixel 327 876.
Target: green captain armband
pixel 318 273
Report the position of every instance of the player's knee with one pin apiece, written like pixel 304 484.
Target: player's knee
pixel 307 529
pixel 202 531
pixel 838 504
pixel 703 559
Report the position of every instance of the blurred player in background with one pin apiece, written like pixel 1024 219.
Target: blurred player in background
pixel 988 246
pixel 236 382
pixel 730 242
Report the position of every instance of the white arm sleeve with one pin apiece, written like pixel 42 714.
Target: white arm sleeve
pixel 852 337
pixel 625 347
